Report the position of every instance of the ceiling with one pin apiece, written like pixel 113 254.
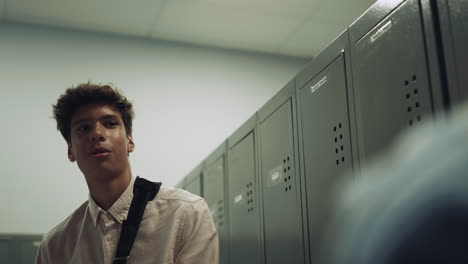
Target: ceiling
pixel 300 28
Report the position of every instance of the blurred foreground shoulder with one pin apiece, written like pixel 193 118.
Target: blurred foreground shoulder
pixel 56 243
pixel 198 238
pixel 178 195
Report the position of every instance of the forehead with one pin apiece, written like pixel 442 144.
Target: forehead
pixel 94 111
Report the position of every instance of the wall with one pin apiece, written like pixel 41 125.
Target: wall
pixel 188 99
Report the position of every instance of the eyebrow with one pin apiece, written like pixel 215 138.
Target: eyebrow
pixel 76 122
pixel 104 117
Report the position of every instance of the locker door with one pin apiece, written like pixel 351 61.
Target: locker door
pixel 390 73
pixel 459 21
pixel 194 186
pixel 213 187
pixel 280 188
pixel 454 28
pixel 28 247
pixel 244 211
pixel 7 250
pixel 326 144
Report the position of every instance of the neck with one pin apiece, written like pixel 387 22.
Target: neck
pixel 106 191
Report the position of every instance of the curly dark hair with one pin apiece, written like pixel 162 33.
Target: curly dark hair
pixel 90 93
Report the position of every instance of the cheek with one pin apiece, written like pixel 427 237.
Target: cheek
pixel 121 141
pixel 77 146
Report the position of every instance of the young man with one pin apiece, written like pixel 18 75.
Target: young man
pixel 96 122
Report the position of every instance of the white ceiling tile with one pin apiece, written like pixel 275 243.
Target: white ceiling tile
pixel 118 16
pixel 340 12
pixel 310 39
pixel 292 8
pixel 293 27
pixel 216 25
pixel 323 25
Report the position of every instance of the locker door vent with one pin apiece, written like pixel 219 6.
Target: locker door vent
pixel 220 213
pixel 250 197
pixel 287 174
pixel 413 106
pixel 339 147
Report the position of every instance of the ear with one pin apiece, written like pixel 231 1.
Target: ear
pixel 71 156
pixel 130 143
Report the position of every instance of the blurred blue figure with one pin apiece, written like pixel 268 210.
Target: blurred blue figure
pixel 409 206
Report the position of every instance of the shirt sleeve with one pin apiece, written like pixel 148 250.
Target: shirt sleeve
pixel 42 256
pixel 199 237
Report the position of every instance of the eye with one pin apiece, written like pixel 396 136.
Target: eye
pixel 83 128
pixel 111 123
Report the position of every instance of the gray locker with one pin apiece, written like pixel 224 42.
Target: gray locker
pixel 325 134
pixel 19 249
pixel 7 249
pixel 27 248
pixel 453 27
pixel 214 194
pixel 194 180
pixel 282 207
pixel 245 243
pixel 392 90
pixel 180 184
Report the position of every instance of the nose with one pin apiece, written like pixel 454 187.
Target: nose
pixel 97 133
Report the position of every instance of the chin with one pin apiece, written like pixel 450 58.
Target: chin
pixel 103 174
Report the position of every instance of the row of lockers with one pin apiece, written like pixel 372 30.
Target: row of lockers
pixel 18 249
pixel 268 185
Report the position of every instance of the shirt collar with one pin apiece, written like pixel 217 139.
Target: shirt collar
pixel 118 210
pixel 94 209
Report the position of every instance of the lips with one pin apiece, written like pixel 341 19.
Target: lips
pixel 100 151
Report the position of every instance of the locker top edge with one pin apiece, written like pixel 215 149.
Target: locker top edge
pixel 247 127
pixel 334 49
pixel 193 174
pixel 218 152
pixel 278 99
pixel 180 184
pixel 12 236
pixel 376 13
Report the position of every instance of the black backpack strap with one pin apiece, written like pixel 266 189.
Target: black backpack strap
pixel 143 191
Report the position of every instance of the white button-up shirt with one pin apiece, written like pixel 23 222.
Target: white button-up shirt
pixel 177 227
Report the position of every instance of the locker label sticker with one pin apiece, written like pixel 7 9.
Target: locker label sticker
pixel 314 87
pixel 237 199
pixel 381 31
pixel 275 176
